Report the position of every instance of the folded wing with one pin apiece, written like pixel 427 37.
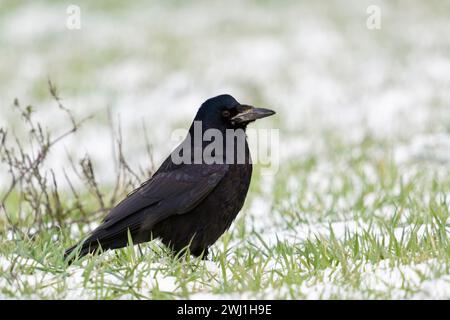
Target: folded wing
pixel 167 193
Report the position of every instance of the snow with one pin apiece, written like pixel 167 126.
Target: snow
pixel 320 76
pixel 381 278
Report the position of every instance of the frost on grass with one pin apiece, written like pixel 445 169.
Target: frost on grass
pixel 382 281
pixel 360 205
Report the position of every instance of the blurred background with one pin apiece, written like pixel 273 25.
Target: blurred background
pixel 363 113
pixel 155 62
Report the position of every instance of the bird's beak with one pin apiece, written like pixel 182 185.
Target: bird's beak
pixel 249 113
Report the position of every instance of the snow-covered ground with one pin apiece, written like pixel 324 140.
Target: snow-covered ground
pixel 318 65
pixel 327 75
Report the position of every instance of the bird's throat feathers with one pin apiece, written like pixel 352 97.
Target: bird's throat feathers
pixel 213 145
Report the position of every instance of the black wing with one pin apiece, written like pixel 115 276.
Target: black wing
pixel 167 193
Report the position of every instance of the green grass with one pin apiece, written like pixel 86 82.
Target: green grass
pixel 342 218
pixel 249 262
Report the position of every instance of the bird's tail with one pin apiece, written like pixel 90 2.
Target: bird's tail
pixel 80 250
pixel 100 240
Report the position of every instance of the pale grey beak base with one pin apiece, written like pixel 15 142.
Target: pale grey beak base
pixel 252 114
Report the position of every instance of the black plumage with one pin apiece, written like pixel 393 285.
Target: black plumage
pixel 186 204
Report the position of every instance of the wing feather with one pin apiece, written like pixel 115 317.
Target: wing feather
pixel 167 193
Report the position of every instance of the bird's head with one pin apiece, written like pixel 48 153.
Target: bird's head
pixel 224 112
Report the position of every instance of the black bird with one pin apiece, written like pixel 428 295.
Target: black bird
pixel 186 204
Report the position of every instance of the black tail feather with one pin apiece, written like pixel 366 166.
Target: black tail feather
pixel 93 245
pixel 102 239
pixel 77 251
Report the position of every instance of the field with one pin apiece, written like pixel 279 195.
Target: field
pixel 358 207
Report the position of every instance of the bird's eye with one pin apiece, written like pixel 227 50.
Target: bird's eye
pixel 226 113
